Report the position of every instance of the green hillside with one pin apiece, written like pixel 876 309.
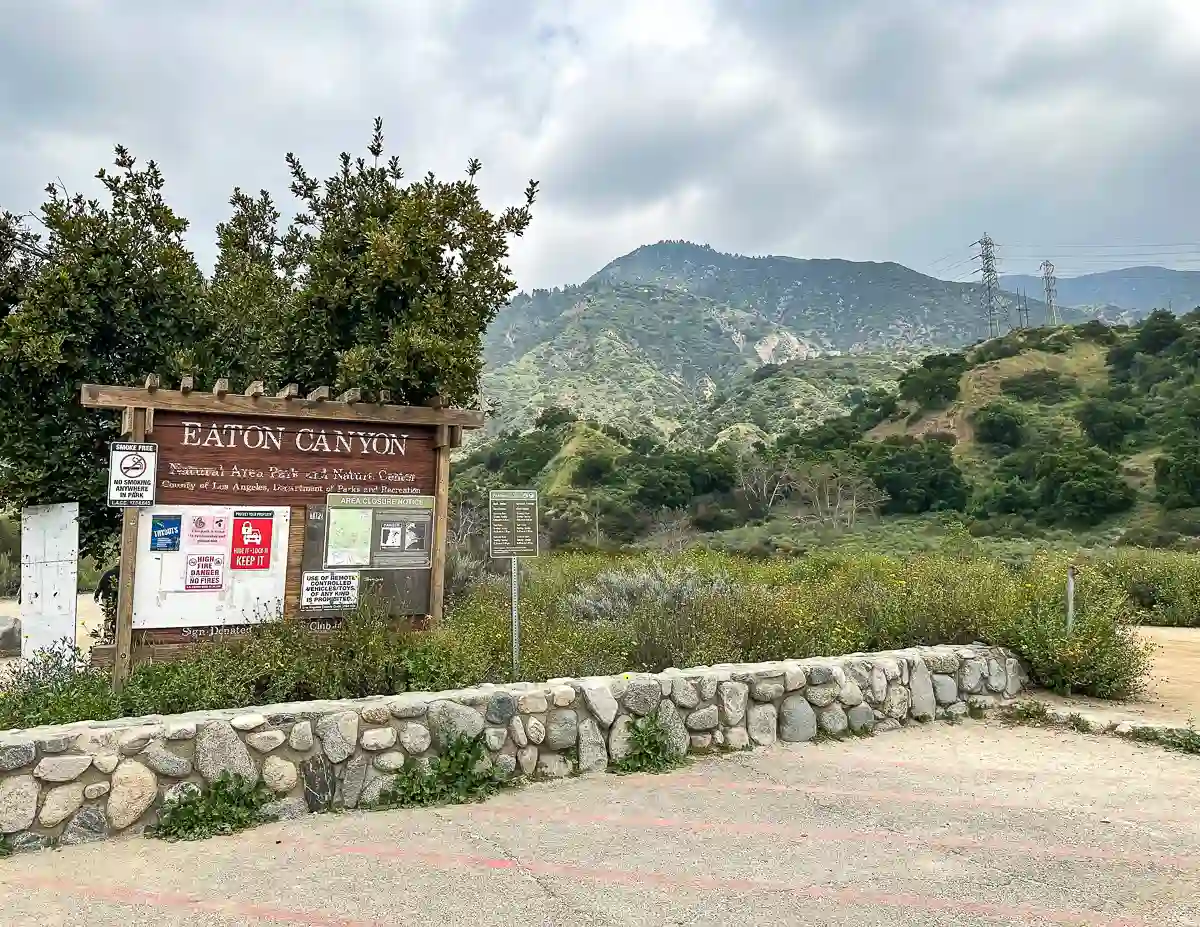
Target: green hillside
pixel 1084 434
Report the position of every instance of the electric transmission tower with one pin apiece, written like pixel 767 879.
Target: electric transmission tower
pixel 991 284
pixel 1050 284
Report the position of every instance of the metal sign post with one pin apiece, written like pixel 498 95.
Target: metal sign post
pixel 1070 598
pixel 516 618
pixel 513 533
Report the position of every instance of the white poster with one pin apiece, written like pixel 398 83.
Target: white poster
pixel 206 531
pixel 329 589
pixel 204 572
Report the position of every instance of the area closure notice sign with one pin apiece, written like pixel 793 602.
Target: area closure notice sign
pixel 132 474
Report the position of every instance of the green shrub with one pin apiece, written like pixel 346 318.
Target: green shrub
pixel 1164 586
pixel 1039 386
pixel 650 749
pixel 462 773
pixel 1000 424
pixel 56 686
pixel 231 804
pixel 601 614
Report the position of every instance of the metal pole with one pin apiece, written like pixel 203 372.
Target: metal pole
pixel 1070 598
pixel 516 625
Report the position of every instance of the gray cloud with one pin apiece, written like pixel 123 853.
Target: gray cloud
pixel 860 129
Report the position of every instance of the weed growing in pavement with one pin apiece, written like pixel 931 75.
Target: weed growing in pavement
pixel 1027 711
pixel 1180 739
pixel 650 749
pixel 1077 722
pixel 461 774
pixel 229 805
pixel 975 711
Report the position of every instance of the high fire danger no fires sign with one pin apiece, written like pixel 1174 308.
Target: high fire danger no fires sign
pixel 132 474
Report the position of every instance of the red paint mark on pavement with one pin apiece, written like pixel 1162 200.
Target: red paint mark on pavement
pixel 928 904
pixel 118 894
pixel 698 784
pixel 998 845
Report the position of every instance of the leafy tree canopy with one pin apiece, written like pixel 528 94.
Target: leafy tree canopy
pixel 377 283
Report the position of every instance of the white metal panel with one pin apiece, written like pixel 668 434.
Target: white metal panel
pixel 246 597
pixel 49 575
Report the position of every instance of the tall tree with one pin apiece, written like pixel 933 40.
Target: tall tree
pixel 103 293
pixel 376 284
pixel 396 283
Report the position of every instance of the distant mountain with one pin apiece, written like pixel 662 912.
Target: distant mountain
pixel 651 340
pixel 1133 290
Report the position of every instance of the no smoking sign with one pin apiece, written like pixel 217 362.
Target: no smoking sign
pixel 132 474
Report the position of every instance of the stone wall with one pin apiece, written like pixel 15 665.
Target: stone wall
pixel 79 783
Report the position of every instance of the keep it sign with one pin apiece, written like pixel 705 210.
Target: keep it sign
pixel 252 538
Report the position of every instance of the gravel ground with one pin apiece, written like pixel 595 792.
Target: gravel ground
pixel 938 825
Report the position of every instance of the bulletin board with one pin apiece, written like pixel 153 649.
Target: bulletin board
pixel 202 566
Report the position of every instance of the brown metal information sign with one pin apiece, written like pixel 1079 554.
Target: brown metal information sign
pixel 513 522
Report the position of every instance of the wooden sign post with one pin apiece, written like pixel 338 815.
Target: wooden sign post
pixel 244 509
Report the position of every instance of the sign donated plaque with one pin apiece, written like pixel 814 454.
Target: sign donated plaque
pixel 513 522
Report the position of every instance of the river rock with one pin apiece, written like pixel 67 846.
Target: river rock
pixel 134 788
pixel 832 719
pixel 449 721
pixel 593 755
pixel 945 689
pixel 561 730
pixel 642 695
pixel 60 803
pixel 279 775
pixel 164 762
pixel 920 684
pixel 618 737
pixel 731 700
pixel 339 735
pixel 18 803
pixel 600 700
pixel 14 756
pixel 761 723
pixel 219 749
pixel 414 737
pixel 797 720
pixel 670 721
pixel 62 768
pixel 301 737
pixel 88 826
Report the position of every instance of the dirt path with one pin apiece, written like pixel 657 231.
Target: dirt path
pixel 1173 695
pixel 88 617
pixel 1177 669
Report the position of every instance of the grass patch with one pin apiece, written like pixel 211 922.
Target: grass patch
pixel 461 774
pixel 229 805
pixel 1027 711
pixel 650 749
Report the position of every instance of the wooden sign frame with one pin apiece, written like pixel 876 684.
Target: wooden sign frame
pixel 137 407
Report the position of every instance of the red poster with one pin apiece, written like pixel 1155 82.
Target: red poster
pixel 252 540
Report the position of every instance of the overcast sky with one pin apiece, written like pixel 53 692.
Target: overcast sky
pixel 877 130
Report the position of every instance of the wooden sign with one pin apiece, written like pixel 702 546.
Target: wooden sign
pixel 225 461
pixel 240 459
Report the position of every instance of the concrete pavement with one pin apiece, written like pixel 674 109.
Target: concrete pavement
pixel 935 825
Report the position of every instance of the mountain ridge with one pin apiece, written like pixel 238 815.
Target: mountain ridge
pixel 648 340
